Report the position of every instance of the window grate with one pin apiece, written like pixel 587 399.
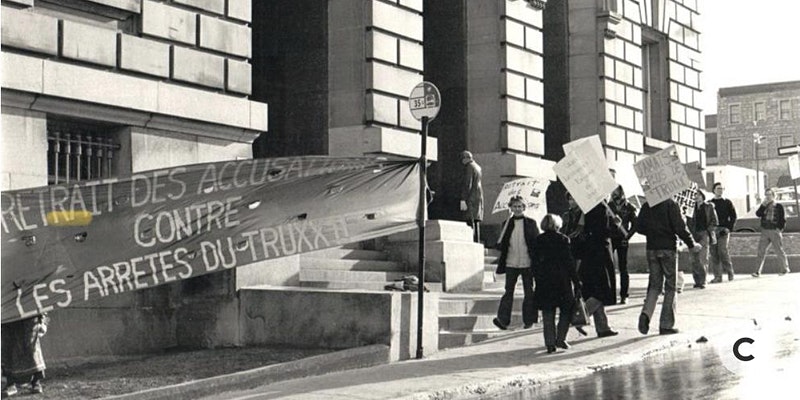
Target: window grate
pixel 73 155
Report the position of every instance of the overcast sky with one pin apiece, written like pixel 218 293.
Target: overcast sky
pixel 748 42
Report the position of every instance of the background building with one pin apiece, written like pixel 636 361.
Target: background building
pixel 771 111
pixel 98 89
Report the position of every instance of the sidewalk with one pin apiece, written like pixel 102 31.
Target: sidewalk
pixel 520 360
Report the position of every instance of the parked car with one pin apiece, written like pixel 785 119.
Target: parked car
pixel 750 223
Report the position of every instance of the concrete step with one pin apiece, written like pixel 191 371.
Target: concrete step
pixel 468 323
pixel 490 267
pixel 309 274
pixel 490 259
pixel 486 304
pixel 348 254
pixel 362 285
pixel 457 339
pixel 491 252
pixel 351 264
pixel 489 277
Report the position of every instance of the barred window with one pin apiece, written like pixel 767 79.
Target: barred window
pixel 79 151
pixel 736 151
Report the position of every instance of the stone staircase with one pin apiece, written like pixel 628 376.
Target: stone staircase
pixel 349 268
pixel 466 318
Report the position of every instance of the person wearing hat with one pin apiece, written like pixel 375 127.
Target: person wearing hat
pixel 472 193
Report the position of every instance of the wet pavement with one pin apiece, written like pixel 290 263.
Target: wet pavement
pixel 699 372
pixel 517 365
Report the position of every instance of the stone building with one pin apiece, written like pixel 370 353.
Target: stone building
pixel 628 71
pixel 99 89
pixel 770 111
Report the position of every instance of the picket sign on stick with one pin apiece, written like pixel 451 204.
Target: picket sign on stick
pixel 662 175
pixel 584 172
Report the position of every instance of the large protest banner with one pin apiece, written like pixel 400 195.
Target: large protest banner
pixel 662 175
pixel 532 190
pixel 584 172
pixel 68 244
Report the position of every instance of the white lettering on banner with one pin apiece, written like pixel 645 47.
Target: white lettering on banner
pixel 188 221
pixel 172 225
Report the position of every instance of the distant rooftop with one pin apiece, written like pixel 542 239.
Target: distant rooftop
pixel 711 121
pixel 760 88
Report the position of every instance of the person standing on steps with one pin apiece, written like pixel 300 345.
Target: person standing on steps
pixel 726 214
pixel 661 224
pixel 516 255
pixel 703 226
pixel 626 212
pixel 773 221
pixel 472 194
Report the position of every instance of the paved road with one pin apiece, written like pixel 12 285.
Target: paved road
pixel 519 361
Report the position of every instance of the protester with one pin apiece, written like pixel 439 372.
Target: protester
pixel 23 361
pixel 703 227
pixel 773 220
pixel 661 224
pixel 726 214
pixel 573 227
pixel 556 282
pixel 472 194
pixel 626 212
pixel 516 252
pixel 596 270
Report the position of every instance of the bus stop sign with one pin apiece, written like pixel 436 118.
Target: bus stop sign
pixel 425 101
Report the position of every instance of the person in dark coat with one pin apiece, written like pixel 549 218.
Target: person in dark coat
pixel 516 255
pixel 703 227
pixel 619 240
pixel 472 193
pixel 661 224
pixel 773 220
pixel 556 282
pixel 597 267
pixel 573 220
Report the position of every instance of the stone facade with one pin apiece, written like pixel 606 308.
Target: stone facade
pixel 626 70
pixel 339 75
pixel 771 110
pixel 155 83
pixel 487 60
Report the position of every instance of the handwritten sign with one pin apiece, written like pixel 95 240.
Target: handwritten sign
pixel 533 192
pixel 585 173
pixel 69 244
pixel 686 200
pixel 662 175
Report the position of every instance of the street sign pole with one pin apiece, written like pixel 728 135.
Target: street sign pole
pixel 424 103
pixel 423 169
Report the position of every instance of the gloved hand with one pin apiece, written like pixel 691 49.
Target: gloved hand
pixel 463 205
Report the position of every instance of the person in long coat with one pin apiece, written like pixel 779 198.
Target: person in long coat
pixel 472 193
pixel 556 282
pixel 597 268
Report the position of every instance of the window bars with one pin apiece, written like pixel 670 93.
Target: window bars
pixel 78 156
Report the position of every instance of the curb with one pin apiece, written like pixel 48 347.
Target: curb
pixel 360 357
pixel 497 388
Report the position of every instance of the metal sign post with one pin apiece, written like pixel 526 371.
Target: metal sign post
pixel 424 102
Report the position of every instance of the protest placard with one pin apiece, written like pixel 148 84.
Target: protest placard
pixel 661 175
pixel 794 166
pixel 584 172
pixel 68 244
pixel 695 173
pixel 626 177
pixel 686 200
pixel 533 192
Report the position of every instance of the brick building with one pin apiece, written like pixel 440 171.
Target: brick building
pixel 98 89
pixel 770 110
